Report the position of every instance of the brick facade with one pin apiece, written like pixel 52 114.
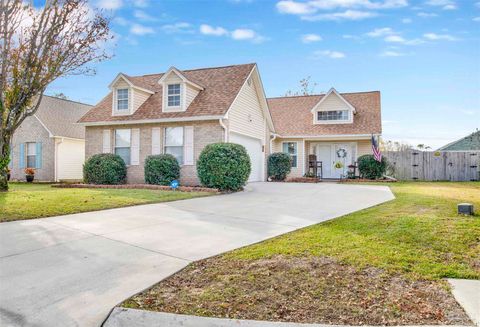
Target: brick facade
pixel 205 132
pixel 31 130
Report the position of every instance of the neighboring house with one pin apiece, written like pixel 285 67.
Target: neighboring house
pixel 180 112
pixel 467 143
pixel 325 125
pixel 51 142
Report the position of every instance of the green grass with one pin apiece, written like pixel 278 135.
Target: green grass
pixel 419 234
pixel 26 201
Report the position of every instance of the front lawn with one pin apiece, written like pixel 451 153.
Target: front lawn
pixel 382 265
pixel 26 201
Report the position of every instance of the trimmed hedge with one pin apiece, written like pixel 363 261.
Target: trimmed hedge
pixel 371 168
pixel 161 169
pixel 225 166
pixel 105 168
pixel 279 165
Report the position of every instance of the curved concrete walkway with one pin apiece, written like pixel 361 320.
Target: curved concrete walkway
pixel 72 270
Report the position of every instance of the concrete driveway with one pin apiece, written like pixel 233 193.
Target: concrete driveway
pixel 71 270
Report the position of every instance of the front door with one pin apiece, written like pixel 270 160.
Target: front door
pixel 335 158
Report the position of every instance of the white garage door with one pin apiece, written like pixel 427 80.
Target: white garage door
pixel 254 149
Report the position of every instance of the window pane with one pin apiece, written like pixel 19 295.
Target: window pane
pixel 173 100
pixel 176 151
pixel 333 115
pixel 174 89
pixel 122 105
pixel 291 149
pixel 124 153
pixel 122 94
pixel 294 161
pixel 174 136
pixel 31 161
pixel 122 138
pixel 31 149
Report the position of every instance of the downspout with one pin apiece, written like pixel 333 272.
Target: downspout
pixel 224 129
pixel 56 158
pixel 271 142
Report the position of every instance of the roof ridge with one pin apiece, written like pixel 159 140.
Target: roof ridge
pixel 197 69
pixel 82 103
pixel 319 94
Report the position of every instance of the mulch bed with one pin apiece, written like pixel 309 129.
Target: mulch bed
pixel 140 186
pixel 307 290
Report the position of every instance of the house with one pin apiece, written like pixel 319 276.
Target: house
pixel 51 142
pixel 181 111
pixel 468 143
pixel 335 127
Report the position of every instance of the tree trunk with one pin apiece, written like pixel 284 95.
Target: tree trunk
pixel 4 161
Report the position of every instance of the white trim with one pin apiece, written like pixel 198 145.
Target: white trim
pixel 151 121
pixel 315 109
pixel 333 137
pixel 50 134
pixel 121 75
pixel 264 103
pixel 296 142
pixel 225 130
pixel 179 74
pixel 68 138
pixel 183 95
pixel 304 161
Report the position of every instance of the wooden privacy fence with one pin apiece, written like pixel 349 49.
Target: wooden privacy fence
pixel 434 165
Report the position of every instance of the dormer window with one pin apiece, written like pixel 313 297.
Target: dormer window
pixel 122 99
pixel 333 115
pixel 174 95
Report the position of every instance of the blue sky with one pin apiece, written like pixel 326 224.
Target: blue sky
pixel 424 56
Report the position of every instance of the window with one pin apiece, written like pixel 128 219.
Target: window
pixel 174 95
pixel 291 149
pixel 31 155
pixel 122 144
pixel 332 115
pixel 122 99
pixel 174 142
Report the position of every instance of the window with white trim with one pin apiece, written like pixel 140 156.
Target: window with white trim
pixel 123 144
pixel 174 142
pixel 31 155
pixel 333 115
pixel 122 99
pixel 173 95
pixel 291 149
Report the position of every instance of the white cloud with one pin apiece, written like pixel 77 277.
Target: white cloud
pixel 310 38
pixel 110 4
pixel 379 32
pixel 406 20
pixel 243 34
pixel 328 54
pixel 445 4
pixel 346 15
pixel 120 21
pixel 294 8
pixel 142 15
pixel 180 27
pixel 476 19
pixel 401 40
pixel 210 30
pixel 436 37
pixel 426 14
pixel 391 53
pixel 138 29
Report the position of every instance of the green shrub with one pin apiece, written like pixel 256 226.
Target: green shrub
pixel 225 166
pixel 371 168
pixel 105 168
pixel 161 169
pixel 279 165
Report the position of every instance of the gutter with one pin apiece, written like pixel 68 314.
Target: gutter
pixel 271 142
pixel 149 121
pixel 55 169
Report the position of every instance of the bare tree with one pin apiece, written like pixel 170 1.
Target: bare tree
pixel 306 88
pixel 37 46
pixel 387 145
pixel 60 95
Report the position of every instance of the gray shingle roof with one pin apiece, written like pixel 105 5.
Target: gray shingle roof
pixel 468 143
pixel 59 116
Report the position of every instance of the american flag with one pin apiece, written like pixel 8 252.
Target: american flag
pixel 376 150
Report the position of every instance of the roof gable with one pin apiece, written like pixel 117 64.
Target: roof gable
pixel 332 92
pixel 173 70
pixel 220 87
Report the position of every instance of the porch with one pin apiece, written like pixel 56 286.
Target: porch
pixel 334 154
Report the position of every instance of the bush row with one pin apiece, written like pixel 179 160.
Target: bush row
pixel 224 166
